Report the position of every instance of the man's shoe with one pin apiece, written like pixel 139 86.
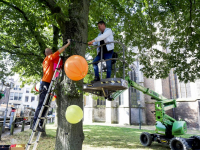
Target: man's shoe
pixel 40 129
pixel 95 79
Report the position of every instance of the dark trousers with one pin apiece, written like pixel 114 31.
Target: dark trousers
pixel 43 91
pixel 106 55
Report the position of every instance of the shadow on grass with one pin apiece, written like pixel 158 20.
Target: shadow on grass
pixel 51 133
pixel 117 137
pixel 95 136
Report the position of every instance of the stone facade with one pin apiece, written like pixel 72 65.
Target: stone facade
pixel 99 114
pixel 149 103
pixel 188 110
pixel 125 109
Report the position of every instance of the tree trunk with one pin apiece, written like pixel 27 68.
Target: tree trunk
pixel 55 119
pixel 70 136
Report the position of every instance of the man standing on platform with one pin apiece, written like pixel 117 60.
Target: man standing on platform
pixel 105 36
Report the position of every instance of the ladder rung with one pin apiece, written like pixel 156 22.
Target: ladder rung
pixel 49 92
pixel 33 142
pixel 43 118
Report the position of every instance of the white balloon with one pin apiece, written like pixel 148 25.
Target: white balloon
pixel 37 87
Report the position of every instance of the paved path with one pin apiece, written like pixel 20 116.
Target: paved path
pixel 16 130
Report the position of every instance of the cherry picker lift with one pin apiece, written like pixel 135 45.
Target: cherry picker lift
pixel 167 129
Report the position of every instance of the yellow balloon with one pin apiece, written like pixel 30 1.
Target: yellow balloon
pixel 74 114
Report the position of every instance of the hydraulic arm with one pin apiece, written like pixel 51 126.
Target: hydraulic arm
pixel 165 124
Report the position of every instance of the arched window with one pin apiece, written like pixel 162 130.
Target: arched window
pixel 132 91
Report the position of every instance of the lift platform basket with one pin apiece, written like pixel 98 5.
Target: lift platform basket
pixel 108 85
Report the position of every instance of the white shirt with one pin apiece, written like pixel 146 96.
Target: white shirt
pixel 107 36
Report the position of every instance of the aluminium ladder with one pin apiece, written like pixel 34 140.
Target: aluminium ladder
pixel 46 103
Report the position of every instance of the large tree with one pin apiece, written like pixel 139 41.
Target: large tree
pixel 25 33
pixel 28 27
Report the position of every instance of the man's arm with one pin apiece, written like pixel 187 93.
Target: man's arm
pixel 56 54
pixel 101 37
pixel 65 46
pixel 95 43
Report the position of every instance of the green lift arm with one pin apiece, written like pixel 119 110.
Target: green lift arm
pixel 165 124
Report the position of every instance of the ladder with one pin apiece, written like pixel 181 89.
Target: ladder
pixel 46 103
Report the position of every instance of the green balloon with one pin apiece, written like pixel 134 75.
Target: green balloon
pixel 74 114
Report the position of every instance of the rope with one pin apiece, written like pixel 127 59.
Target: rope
pixel 72 40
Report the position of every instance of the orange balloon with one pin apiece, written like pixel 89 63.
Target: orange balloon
pixel 76 67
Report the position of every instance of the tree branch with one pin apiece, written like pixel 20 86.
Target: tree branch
pixel 55 9
pixel 14 46
pixel 190 12
pixel 35 34
pixel 51 4
pixel 194 5
pixel 16 8
pixel 191 16
pixel 56 31
pixel 137 2
pixel 20 53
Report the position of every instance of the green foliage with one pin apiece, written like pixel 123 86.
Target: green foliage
pixel 178 35
pixel 22 36
pixel 4 69
pixel 26 30
pixel 94 97
pixel 174 25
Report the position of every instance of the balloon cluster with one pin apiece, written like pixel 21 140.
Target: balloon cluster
pixel 76 68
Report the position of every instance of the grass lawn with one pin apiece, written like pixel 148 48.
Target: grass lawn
pixel 96 138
